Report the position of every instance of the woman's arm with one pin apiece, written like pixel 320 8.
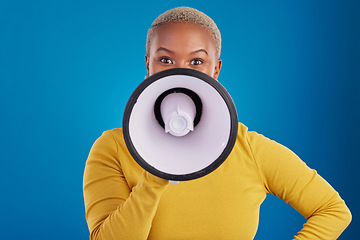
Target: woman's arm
pixel 289 178
pixel 113 210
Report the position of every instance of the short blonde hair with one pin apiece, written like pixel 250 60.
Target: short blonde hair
pixel 185 14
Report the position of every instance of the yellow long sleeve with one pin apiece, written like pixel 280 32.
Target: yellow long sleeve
pixel 113 210
pixel 287 177
pixel 122 201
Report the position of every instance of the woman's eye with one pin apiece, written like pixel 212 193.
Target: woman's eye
pixel 166 60
pixel 196 61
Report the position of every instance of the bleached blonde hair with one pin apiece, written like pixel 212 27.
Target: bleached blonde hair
pixel 185 14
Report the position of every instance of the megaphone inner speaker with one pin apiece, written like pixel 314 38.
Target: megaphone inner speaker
pixel 194 154
pixel 178 105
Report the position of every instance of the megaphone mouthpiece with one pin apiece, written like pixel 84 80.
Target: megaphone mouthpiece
pixel 178 113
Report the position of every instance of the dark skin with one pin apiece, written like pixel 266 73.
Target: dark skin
pixel 183 45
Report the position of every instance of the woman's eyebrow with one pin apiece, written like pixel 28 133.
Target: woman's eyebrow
pixel 164 49
pixel 200 50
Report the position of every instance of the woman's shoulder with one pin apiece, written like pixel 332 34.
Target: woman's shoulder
pixel 246 134
pixel 242 129
pixel 112 137
pixel 250 135
pixel 115 133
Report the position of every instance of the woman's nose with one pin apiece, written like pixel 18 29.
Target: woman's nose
pixel 181 64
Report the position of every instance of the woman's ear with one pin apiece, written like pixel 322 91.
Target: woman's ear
pixel 147 64
pixel 217 69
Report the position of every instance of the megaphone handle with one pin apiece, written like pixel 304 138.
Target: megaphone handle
pixel 173 182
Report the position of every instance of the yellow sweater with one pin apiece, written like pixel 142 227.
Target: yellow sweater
pixel 123 201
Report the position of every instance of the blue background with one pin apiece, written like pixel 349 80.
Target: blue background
pixel 67 69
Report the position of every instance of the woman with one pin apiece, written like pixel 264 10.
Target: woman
pixel 123 201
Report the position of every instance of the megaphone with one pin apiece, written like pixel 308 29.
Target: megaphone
pixel 180 124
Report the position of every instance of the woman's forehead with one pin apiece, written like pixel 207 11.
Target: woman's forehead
pixel 183 35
